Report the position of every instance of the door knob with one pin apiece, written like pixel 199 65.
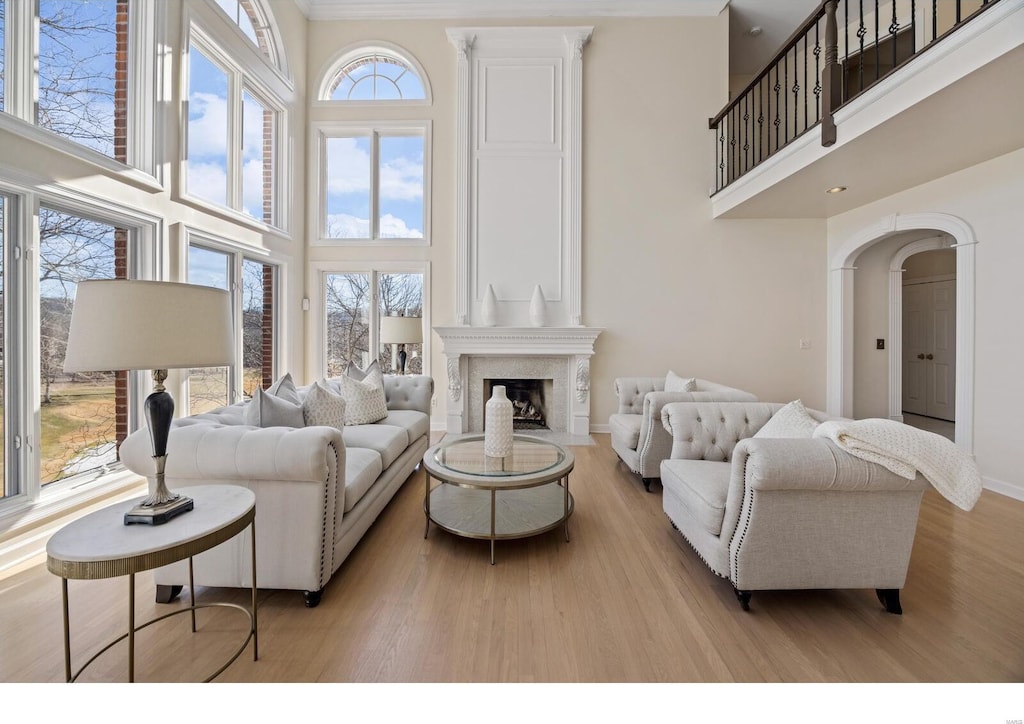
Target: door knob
pixel 928 356
pixel 921 356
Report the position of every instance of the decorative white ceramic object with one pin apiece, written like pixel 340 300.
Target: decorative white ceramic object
pixel 538 308
pixel 489 308
pixel 498 424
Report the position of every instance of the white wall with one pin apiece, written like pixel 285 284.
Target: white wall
pixel 988 197
pixel 727 300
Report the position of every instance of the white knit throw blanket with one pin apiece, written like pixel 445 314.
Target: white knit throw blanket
pixel 905 450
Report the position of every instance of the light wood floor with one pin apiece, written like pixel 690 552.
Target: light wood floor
pixel 625 601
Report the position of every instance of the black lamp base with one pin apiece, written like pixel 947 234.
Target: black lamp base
pixel 401 361
pixel 158 514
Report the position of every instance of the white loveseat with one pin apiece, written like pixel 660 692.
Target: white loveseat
pixel 318 489
pixel 637 435
pixel 776 513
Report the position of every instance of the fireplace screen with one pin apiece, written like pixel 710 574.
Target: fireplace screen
pixel 527 398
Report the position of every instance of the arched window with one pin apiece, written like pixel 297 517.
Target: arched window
pixel 256 23
pixel 374 73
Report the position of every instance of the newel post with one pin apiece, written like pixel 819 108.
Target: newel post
pixel 832 78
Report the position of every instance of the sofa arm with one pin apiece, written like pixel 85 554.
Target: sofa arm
pixel 631 392
pixel 409 392
pixel 217 452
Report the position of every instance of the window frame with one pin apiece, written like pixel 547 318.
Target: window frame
pixel 322 132
pixel 265 83
pixel 146 31
pixel 317 347
pixel 33 501
pixel 330 70
pixel 237 252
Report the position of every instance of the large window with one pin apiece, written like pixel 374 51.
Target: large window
pixel 377 77
pixel 253 285
pixel 375 183
pixel 3 347
pixel 255 22
pixel 354 303
pixel 233 128
pixel 3 49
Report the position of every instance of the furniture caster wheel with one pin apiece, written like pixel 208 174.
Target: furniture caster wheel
pixel 890 598
pixel 166 594
pixel 312 598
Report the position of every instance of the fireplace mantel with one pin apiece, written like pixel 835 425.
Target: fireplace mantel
pixel 574 346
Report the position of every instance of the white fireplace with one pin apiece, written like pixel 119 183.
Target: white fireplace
pixel 518 211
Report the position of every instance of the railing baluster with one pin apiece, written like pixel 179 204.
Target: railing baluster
pixel 957 12
pixel 935 19
pixel 806 112
pixel 877 40
pixel 894 30
pixel 913 27
pixel 817 72
pixel 861 32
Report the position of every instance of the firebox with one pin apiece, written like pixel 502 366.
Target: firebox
pixel 527 396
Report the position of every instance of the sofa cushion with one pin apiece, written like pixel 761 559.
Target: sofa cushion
pixel 267 410
pixel 701 486
pixel 324 405
pixel 626 427
pixel 675 383
pixel 388 440
pixel 362 467
pixel 364 399
pixel 285 388
pixel 416 423
pixel 791 420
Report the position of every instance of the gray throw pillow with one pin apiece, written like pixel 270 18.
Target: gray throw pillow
pixel 285 389
pixel 359 375
pixel 266 410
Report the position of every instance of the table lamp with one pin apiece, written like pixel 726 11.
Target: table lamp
pixel 401 331
pixel 121 324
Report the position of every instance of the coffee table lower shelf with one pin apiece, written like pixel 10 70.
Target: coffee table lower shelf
pixel 500 514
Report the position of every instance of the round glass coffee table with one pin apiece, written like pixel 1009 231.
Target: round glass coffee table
pixel 517 496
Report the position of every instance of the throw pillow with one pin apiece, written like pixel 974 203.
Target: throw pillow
pixel 675 383
pixel 359 375
pixel 285 389
pixel 324 406
pixel 267 410
pixel 364 399
pixel 792 420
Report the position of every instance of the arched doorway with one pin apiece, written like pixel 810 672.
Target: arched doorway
pixel 842 266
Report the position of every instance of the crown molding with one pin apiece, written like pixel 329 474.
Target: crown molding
pixel 448 9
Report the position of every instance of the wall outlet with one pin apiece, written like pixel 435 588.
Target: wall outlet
pixel 879 344
pixel 805 344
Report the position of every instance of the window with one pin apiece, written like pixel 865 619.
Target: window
pixel 78 45
pixel 254 21
pixel 230 163
pixel 354 303
pixel 3 51
pixel 253 283
pixel 3 338
pixel 377 77
pixel 375 182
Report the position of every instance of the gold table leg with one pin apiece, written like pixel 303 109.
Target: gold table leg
pixel 493 498
pixel 131 628
pixel 255 628
pixel 67 631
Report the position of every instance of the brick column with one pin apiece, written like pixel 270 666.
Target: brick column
pixel 121 235
pixel 267 351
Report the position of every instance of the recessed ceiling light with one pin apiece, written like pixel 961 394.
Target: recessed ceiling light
pixel 836 190
pixel 754 31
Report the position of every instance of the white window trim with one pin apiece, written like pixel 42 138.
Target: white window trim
pixel 320 132
pixel 239 79
pixel 145 83
pixel 35 502
pixel 318 271
pixel 329 72
pixel 213 16
pixel 186 236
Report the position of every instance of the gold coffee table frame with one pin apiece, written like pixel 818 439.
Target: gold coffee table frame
pixel 521 495
pixel 100 545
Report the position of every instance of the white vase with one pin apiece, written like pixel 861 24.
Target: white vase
pixel 538 308
pixel 498 424
pixel 489 308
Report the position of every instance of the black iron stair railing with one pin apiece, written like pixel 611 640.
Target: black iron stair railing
pixel 843 48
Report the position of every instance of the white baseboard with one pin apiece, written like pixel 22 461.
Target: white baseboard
pixel 600 429
pixel 1010 490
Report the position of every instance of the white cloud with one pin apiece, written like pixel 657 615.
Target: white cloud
pixel 402 179
pixel 346 226
pixel 348 165
pixel 208 181
pixel 207 125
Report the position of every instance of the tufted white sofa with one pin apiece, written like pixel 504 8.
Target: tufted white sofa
pixel 637 435
pixel 785 513
pixel 318 489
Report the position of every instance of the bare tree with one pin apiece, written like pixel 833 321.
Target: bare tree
pixel 348 301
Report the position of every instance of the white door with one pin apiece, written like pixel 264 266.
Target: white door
pixel 929 349
pixel 915 347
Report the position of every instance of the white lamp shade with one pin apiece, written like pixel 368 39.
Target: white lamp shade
pixel 121 324
pixel 401 330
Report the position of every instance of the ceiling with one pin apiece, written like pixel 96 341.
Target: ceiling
pixel 747 54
